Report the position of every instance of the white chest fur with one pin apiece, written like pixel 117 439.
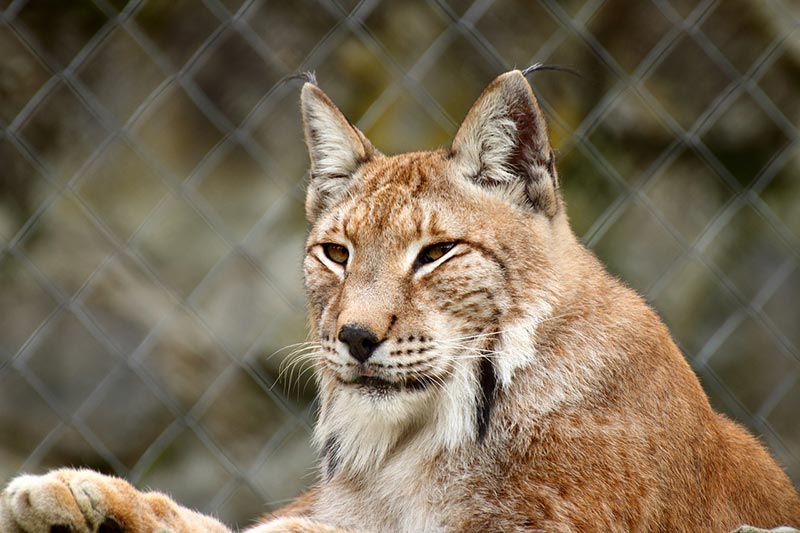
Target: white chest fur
pixel 400 497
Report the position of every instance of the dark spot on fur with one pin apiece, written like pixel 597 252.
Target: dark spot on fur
pixel 330 455
pixel 487 377
pixel 490 254
pixel 110 526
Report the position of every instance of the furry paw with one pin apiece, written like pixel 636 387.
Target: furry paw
pixel 61 500
pixel 82 501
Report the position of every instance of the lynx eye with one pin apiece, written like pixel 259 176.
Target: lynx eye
pixel 433 253
pixel 336 253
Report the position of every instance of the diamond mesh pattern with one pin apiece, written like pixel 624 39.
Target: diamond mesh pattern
pixel 151 225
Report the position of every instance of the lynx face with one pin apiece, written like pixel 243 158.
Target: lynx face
pixel 402 287
pixel 422 269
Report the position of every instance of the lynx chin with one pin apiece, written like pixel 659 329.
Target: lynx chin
pixel 478 368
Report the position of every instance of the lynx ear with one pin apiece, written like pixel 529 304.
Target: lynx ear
pixel 336 147
pixel 503 145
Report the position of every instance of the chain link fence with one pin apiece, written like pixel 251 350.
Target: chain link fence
pixel 151 224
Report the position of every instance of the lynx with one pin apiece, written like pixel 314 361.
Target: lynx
pixel 478 368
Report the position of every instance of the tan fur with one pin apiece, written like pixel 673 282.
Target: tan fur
pixel 521 387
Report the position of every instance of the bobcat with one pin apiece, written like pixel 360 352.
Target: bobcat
pixel 478 368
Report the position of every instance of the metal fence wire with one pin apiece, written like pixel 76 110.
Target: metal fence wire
pixel 151 221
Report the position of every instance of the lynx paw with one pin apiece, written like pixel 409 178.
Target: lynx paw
pixel 82 501
pixel 63 500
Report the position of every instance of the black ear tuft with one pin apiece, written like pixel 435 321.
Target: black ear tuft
pixel 307 76
pixel 538 67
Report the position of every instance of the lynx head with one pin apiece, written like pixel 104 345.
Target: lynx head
pixel 427 273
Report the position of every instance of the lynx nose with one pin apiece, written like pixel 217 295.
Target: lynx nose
pixel 360 340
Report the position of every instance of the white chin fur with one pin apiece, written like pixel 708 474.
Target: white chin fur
pixel 367 428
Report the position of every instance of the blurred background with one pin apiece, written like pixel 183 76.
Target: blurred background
pixel 151 223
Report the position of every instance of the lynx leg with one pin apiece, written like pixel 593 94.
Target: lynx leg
pixel 82 501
